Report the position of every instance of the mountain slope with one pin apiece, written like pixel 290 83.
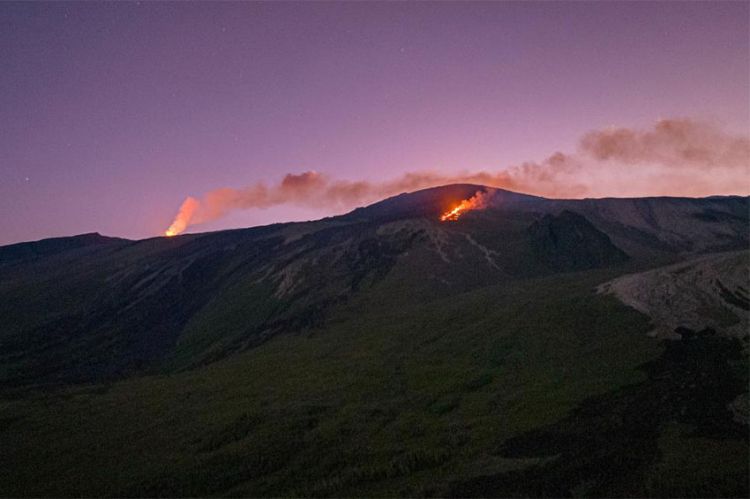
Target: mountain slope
pixel 570 242
pixel 378 353
pixel 91 308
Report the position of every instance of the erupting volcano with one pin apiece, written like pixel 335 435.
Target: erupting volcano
pixel 477 202
pixel 184 217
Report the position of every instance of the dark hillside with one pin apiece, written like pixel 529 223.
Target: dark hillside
pixel 23 252
pixel 384 353
pixel 568 242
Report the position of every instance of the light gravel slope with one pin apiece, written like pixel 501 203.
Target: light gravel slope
pixel 710 291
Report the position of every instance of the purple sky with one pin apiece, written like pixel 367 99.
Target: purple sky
pixel 113 113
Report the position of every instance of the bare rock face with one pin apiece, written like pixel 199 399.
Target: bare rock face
pixel 706 292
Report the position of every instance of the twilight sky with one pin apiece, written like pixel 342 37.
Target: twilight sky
pixel 113 113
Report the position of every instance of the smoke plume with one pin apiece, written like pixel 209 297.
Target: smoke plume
pixel 676 143
pixel 675 157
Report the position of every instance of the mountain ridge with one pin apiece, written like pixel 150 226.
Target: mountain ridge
pixel 299 273
pixel 455 193
pixel 255 362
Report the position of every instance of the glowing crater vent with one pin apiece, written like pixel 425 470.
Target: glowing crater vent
pixel 478 201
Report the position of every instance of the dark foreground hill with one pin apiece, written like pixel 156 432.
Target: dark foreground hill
pixel 384 352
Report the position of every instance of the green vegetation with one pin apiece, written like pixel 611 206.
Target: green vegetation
pixel 624 442
pixel 380 401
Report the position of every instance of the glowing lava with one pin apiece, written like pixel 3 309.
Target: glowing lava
pixel 453 214
pixel 477 202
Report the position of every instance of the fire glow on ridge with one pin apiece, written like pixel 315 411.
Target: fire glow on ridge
pixel 477 202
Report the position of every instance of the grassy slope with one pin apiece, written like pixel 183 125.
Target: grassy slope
pixel 380 401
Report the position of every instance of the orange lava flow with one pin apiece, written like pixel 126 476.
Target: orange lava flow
pixel 477 202
pixel 456 212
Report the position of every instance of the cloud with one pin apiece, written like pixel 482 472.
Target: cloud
pixel 675 143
